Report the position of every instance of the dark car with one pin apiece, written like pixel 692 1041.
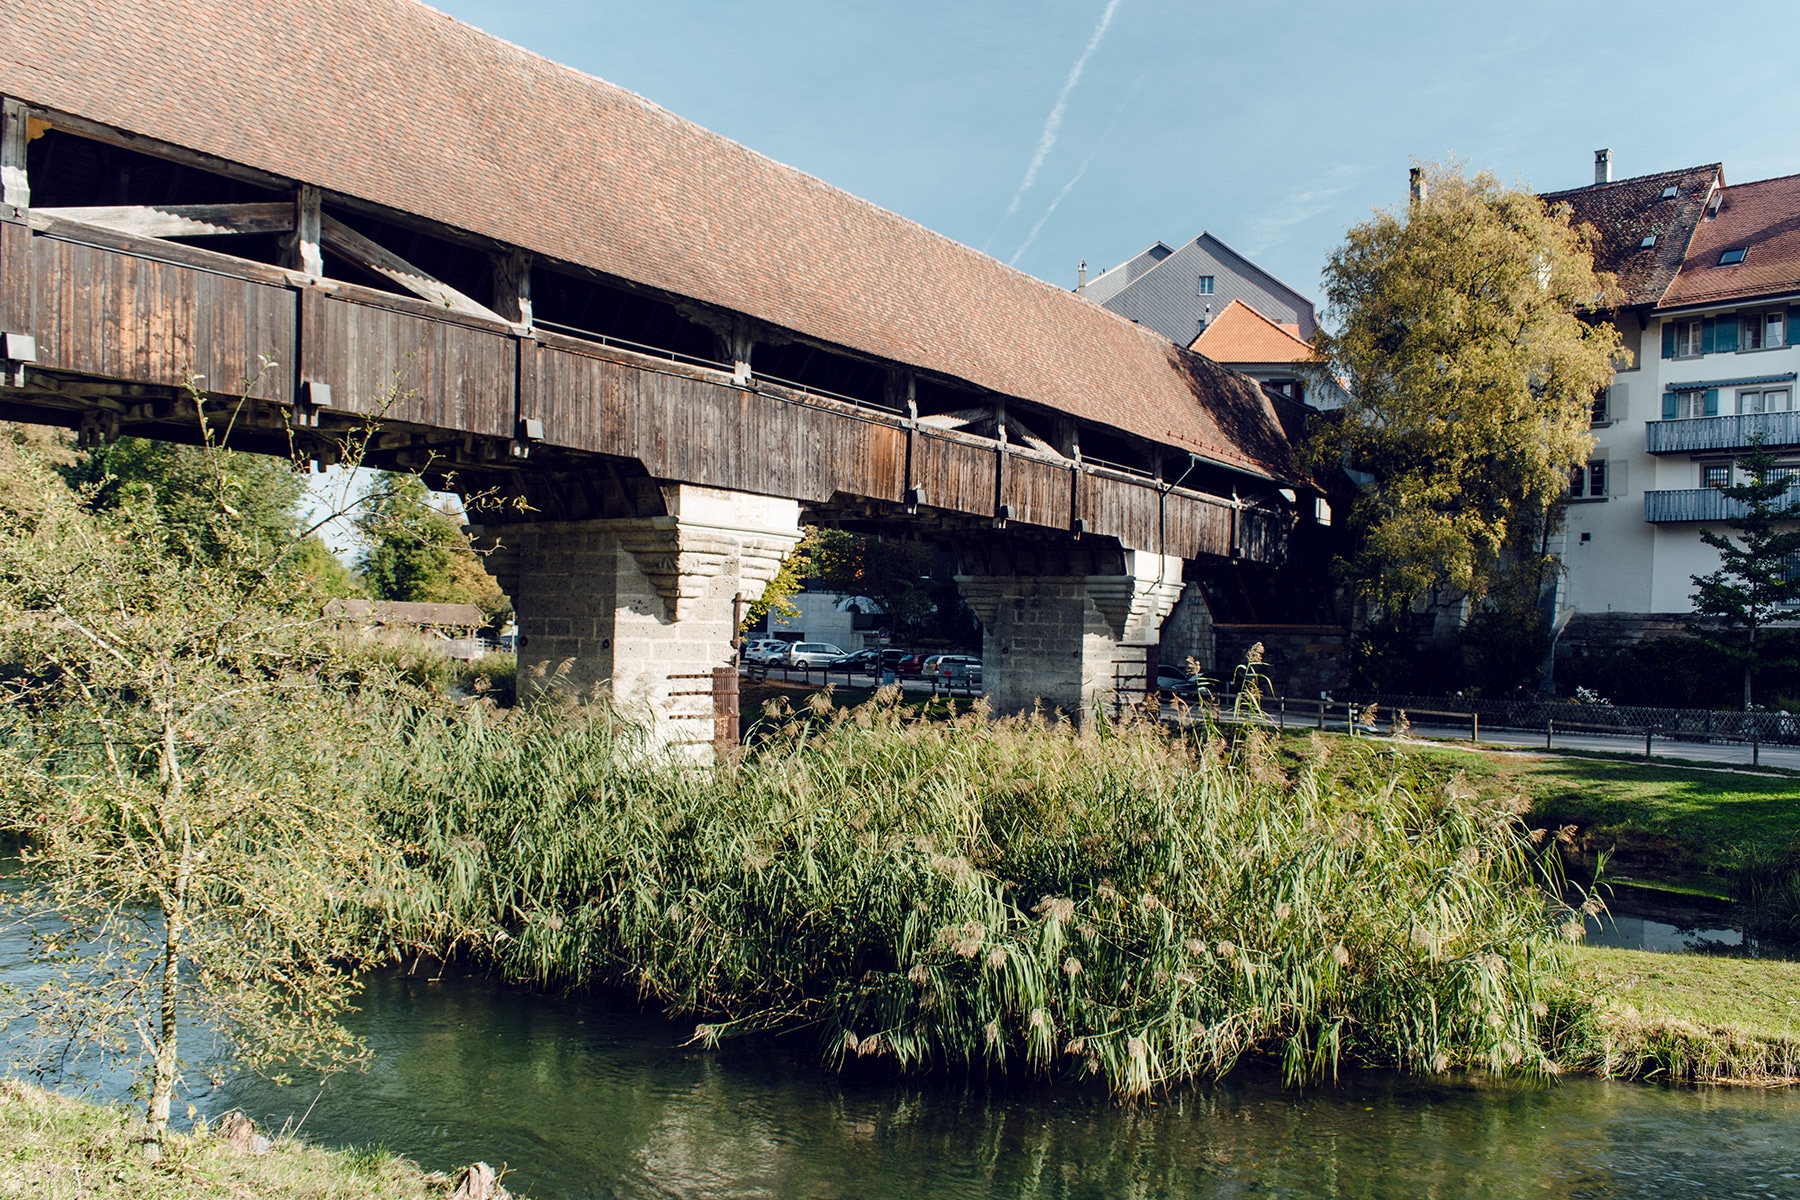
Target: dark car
pixel 1175 684
pixel 862 660
pixel 912 665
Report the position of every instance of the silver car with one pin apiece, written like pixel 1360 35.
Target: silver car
pixel 804 656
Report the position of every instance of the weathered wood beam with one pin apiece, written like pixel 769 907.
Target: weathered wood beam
pixel 15 185
pixel 95 131
pixel 341 239
pixel 184 220
pixel 303 251
pixel 512 286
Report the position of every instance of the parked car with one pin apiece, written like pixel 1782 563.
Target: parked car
pixel 747 650
pixel 957 670
pixel 909 665
pixel 862 660
pixel 804 656
pixel 762 651
pixel 1176 684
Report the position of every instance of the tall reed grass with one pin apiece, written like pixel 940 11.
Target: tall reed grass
pixel 1116 902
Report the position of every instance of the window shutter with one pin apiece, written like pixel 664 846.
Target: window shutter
pixel 1707 334
pixel 1618 483
pixel 1669 336
pixel 1712 402
pixel 1793 329
pixel 1668 406
pixel 1728 334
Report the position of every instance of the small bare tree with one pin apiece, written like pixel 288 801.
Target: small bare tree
pixel 186 748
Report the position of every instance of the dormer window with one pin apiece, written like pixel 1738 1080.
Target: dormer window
pixel 1733 256
pixel 1649 241
pixel 1205 287
pixel 1670 192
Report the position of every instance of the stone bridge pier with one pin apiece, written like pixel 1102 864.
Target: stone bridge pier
pixel 1055 638
pixel 621 608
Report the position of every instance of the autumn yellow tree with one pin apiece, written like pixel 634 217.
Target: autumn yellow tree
pixel 1463 326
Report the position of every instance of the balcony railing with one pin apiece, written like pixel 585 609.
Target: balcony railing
pixel 1722 433
pixel 1697 504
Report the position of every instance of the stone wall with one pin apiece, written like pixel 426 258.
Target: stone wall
pixel 1299 660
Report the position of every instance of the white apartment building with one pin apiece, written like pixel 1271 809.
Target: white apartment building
pixel 1711 324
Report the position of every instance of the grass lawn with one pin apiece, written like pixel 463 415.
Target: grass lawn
pixel 1663 823
pixel 53 1147
pixel 1758 996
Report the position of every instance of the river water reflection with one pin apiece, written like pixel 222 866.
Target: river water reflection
pixel 584 1099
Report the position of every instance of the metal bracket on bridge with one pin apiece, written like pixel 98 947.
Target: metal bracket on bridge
pixel 313 397
pixel 530 430
pixel 17 349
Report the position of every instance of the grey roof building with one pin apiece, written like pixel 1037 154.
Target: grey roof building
pixel 1178 291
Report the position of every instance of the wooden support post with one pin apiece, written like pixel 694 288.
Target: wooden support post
pixel 15 183
pixel 743 347
pixel 725 710
pixel 1001 509
pixel 512 286
pixel 302 250
pixel 16 287
pixel 1549 729
pixel 1474 729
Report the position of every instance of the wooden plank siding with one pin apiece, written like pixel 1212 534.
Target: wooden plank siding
pixel 109 306
pixel 381 360
pixel 1037 490
pixel 681 425
pixel 15 278
pixel 954 473
pixel 124 317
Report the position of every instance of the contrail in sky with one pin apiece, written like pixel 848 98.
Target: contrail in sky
pixel 1053 123
pixel 1079 172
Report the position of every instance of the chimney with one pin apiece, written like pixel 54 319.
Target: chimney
pixel 1416 184
pixel 1081 278
pixel 1602 166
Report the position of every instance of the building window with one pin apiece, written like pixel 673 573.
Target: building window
pixel 1764 400
pixel 1588 481
pixel 1751 337
pixel 1649 241
pixel 1689 404
pixel 1787 475
pixel 1689 339
pixel 1670 192
pixel 1715 475
pixel 1733 257
pixel 1774 330
pixel 1206 286
pixel 1601 409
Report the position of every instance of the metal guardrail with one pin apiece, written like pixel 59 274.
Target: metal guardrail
pixel 1698 504
pixel 1721 433
pixel 1624 721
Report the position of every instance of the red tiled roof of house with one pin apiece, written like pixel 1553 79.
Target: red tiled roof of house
pixel 1240 334
pixel 1763 220
pixel 395 103
pixel 1623 213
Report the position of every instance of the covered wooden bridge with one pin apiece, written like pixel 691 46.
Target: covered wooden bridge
pixel 668 350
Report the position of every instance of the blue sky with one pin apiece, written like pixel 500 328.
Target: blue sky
pixel 1273 126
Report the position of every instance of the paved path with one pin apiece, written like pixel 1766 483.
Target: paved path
pixel 1723 753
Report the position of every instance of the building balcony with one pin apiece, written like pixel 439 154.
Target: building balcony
pixel 1698 435
pixel 1697 504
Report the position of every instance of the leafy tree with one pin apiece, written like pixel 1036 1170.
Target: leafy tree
pixel 183 748
pixel 417 551
pixel 187 484
pixel 1760 570
pixel 1471 377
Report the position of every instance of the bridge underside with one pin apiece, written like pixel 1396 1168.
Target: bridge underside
pixel 637 487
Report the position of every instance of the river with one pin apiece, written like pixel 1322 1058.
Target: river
pixel 584 1096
